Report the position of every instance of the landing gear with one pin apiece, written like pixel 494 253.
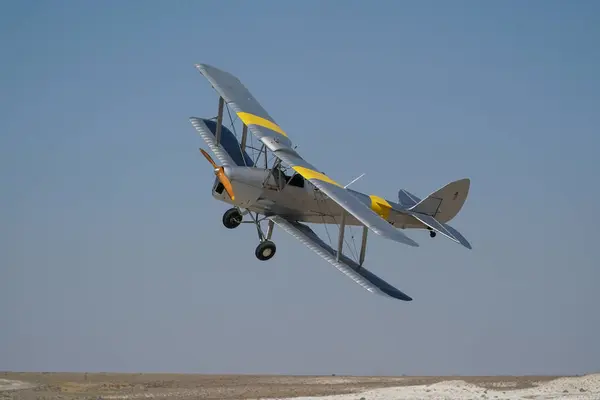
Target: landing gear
pixel 232 218
pixel 265 250
pixel 432 233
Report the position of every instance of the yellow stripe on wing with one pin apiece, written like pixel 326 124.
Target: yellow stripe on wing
pixel 308 173
pixel 380 206
pixel 251 119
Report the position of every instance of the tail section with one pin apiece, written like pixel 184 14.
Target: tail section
pixel 443 204
pixel 439 207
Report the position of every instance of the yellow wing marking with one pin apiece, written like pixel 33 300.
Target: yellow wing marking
pixel 312 174
pixel 380 206
pixel 251 119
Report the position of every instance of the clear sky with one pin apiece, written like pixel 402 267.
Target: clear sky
pixel 113 256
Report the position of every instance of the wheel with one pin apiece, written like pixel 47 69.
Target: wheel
pixel 232 218
pixel 265 250
pixel 432 234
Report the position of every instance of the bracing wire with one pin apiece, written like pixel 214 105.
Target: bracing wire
pixel 235 133
pixel 354 254
pixel 353 242
pixel 324 224
pixel 231 120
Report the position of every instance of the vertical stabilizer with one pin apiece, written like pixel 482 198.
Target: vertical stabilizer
pixel 445 203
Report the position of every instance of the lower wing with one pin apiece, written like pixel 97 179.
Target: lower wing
pixel 351 269
pixel 205 133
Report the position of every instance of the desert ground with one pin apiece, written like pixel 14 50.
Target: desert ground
pixel 46 385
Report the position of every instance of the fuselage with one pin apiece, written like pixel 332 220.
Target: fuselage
pixel 267 192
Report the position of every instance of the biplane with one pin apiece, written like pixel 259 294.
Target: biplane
pixel 277 186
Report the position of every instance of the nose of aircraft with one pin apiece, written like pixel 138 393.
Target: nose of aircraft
pixel 228 171
pixel 221 174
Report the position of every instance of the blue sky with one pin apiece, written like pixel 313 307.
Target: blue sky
pixel 112 252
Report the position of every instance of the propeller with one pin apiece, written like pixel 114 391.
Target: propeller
pixel 220 173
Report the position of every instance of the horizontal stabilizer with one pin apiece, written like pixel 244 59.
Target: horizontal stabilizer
pixel 462 240
pixel 350 268
pixel 442 228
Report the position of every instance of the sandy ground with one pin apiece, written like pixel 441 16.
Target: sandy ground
pixel 26 386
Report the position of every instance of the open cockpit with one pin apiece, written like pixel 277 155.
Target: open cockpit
pixel 282 179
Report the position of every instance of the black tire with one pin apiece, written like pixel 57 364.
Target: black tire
pixel 232 218
pixel 432 233
pixel 265 250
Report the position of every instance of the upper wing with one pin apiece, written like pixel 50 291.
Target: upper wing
pixel 358 274
pixel 263 126
pixel 247 108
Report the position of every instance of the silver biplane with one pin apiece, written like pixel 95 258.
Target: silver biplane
pixel 287 191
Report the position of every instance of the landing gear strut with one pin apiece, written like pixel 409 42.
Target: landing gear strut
pixel 266 248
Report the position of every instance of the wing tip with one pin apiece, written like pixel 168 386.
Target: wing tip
pixel 204 68
pixel 412 243
pixel 396 294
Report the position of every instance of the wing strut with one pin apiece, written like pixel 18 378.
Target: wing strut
pixel 219 120
pixel 270 229
pixel 244 137
pixel 341 236
pixel 363 246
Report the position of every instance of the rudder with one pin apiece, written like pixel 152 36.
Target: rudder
pixel 445 203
